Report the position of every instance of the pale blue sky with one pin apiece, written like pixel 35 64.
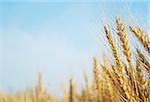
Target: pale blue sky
pixel 57 38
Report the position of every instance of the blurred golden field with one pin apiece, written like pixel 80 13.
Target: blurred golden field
pixel 124 79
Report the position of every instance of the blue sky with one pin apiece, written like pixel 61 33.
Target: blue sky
pixel 58 38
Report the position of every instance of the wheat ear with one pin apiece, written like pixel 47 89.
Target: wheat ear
pixel 142 37
pixel 143 60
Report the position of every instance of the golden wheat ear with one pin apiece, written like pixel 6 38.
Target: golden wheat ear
pixel 140 81
pixel 124 42
pixel 96 73
pixel 142 37
pixel 113 48
pixel 143 60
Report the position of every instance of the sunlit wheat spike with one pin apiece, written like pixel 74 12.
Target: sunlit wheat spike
pixel 96 74
pixel 143 60
pixel 86 80
pixel 139 74
pixel 124 42
pixel 113 48
pixel 140 82
pixel 142 37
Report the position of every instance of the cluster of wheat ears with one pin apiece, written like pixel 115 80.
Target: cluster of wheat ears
pixel 113 81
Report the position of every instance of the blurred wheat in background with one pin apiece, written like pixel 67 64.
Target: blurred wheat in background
pixel 115 80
